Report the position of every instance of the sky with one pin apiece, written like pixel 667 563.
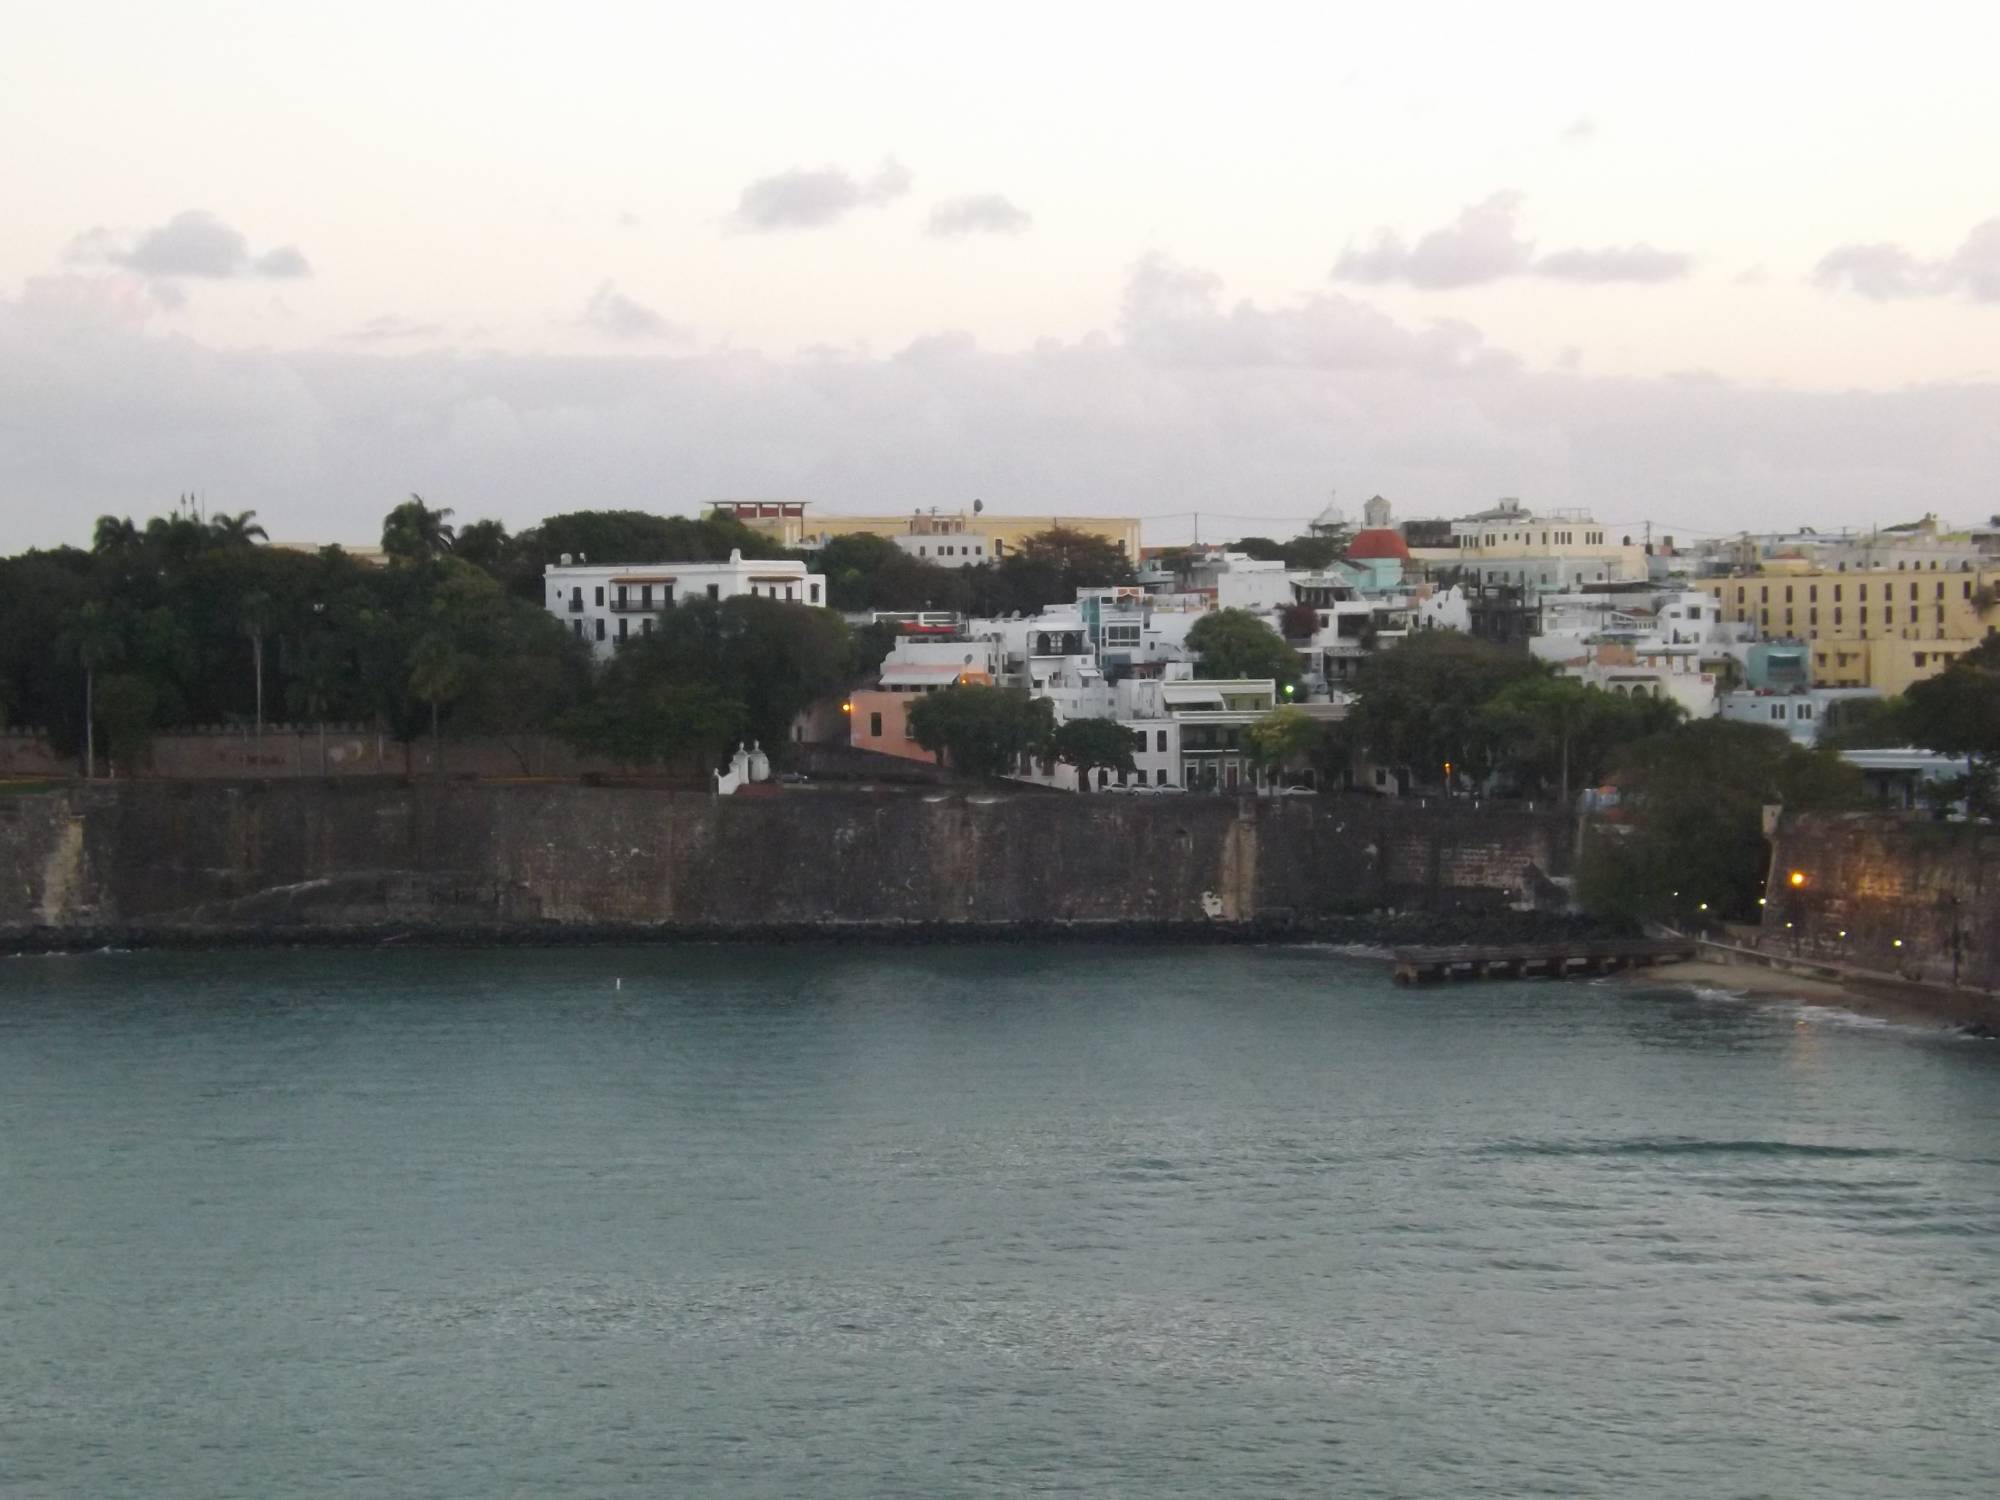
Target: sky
pixel 1712 267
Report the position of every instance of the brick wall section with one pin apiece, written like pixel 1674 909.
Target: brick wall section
pixel 286 853
pixel 1934 886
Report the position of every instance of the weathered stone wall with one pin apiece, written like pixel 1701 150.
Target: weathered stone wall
pixel 1913 898
pixel 283 855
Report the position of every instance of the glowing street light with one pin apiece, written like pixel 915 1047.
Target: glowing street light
pixel 1797 878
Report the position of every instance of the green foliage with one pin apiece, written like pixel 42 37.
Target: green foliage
pixel 1958 711
pixel 1236 643
pixel 982 731
pixel 1693 820
pixel 1867 724
pixel 414 532
pixel 1287 738
pixel 126 705
pixel 1422 703
pixel 871 572
pixel 641 717
pixel 1090 744
pixel 1555 733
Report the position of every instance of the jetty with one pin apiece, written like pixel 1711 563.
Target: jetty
pixel 1546 960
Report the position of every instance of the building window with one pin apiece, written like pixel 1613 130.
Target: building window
pixel 1805 710
pixel 1160 777
pixel 621 596
pixel 815 593
pixel 788 594
pixel 1812 593
pixel 1160 741
pixel 600 596
pixel 875 726
pixel 645 596
pixel 600 629
pixel 715 591
pixel 577 626
pixel 646 625
pixel 624 627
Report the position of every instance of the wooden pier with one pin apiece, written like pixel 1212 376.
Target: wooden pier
pixel 1547 960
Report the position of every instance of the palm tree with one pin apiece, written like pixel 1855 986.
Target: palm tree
pixel 239 530
pixel 414 530
pixel 438 672
pixel 256 619
pixel 96 639
pixel 114 534
pixel 316 678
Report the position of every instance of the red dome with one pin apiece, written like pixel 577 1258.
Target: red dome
pixel 1378 542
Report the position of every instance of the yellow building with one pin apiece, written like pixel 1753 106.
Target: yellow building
pixel 792 524
pixel 1883 628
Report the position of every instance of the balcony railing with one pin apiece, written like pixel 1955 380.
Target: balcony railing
pixel 640 606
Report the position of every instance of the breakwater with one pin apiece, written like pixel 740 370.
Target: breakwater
pixel 289 860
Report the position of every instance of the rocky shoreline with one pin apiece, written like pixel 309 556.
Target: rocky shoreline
pixel 1376 930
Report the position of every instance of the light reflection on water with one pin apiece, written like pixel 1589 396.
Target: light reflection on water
pixel 981 1221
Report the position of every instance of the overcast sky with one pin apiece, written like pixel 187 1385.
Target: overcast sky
pixel 1712 266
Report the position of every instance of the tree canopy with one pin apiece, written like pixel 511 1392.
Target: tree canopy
pixel 1093 744
pixel 1421 703
pixel 1693 832
pixel 1237 643
pixel 980 730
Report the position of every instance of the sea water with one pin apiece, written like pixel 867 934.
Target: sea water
pixel 869 1221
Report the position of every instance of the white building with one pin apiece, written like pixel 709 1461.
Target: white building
pixel 1561 550
pixel 605 603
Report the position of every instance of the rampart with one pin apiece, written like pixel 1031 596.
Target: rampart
pixel 293 857
pixel 1917 899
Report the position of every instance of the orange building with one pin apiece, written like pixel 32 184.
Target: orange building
pixel 880 717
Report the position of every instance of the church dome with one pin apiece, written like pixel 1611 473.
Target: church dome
pixel 1377 543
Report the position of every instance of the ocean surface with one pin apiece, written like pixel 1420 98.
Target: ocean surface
pixel 984 1221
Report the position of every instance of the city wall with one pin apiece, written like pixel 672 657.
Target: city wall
pixel 286 858
pixel 1917 899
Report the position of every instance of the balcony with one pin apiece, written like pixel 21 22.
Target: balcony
pixel 641 606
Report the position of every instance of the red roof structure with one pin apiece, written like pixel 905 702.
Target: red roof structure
pixel 1378 542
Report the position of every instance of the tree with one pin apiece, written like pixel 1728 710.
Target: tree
pixel 484 544
pixel 413 531
pixel 96 639
pixel 256 609
pixel 126 702
pixel 1318 551
pixel 1093 744
pixel 239 530
pixel 1262 548
pixel 1236 643
pixel 1081 561
pixel 439 671
pixel 1867 724
pixel 1287 737
pixel 640 718
pixel 1957 712
pixel 1558 729
pixel 1694 834
pixel 1299 622
pixel 981 731
pixel 1420 702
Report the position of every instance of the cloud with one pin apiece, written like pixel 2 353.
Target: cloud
pixel 1885 272
pixel 1613 263
pixel 1579 132
pixel 1173 316
pixel 617 316
pixel 985 213
pixel 1483 244
pixel 1479 245
pixel 1191 399
pixel 388 327
pixel 814 197
pixel 1881 272
pixel 192 244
